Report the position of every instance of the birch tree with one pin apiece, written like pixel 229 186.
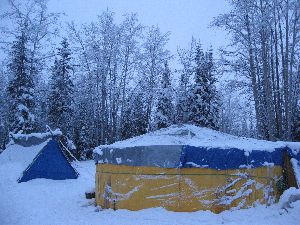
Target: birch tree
pixel 266 35
pixel 154 55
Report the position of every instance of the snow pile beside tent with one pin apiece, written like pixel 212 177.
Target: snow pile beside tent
pixel 289 196
pixel 199 136
pixel 16 158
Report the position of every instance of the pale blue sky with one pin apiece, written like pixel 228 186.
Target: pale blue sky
pixel 183 18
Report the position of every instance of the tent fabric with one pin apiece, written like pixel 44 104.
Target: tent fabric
pixel 50 163
pixel 176 156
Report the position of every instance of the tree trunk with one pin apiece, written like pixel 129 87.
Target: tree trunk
pixel 253 80
pixel 286 77
pixel 277 87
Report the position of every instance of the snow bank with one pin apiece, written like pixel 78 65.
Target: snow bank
pixel 288 197
pixel 199 136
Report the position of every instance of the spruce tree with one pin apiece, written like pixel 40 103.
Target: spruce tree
pixel 21 89
pixel 214 98
pixel 60 97
pixel 139 115
pixel 203 96
pixel 164 111
pixel 135 115
pixel 127 125
pixel 83 137
pixel 182 102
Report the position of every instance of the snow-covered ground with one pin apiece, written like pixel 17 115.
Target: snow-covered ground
pixel 50 202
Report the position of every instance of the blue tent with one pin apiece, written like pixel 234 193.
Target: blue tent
pixel 50 163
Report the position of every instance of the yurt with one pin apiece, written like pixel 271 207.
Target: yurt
pixel 188 168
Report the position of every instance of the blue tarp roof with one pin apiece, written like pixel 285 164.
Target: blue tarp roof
pixel 50 163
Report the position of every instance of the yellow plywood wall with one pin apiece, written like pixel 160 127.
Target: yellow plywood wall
pixel 184 190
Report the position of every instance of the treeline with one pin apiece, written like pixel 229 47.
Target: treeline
pixel 108 81
pixel 265 49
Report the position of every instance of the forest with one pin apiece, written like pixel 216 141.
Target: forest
pixel 110 80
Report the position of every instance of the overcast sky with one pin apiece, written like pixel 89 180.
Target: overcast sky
pixel 183 18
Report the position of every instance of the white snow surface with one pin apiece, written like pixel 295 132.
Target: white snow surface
pixel 200 136
pixel 63 202
pixel 289 197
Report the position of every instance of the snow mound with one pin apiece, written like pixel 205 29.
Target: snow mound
pixel 288 197
pixel 200 136
pixel 16 158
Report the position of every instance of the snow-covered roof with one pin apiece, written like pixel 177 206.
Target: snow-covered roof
pixel 32 139
pixel 200 137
